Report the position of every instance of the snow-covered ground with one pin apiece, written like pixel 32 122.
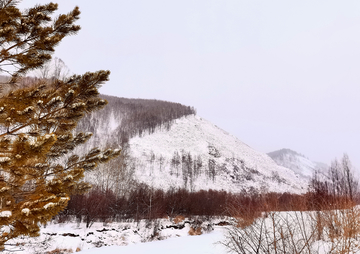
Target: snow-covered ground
pixel 202 244
pixel 160 236
pixel 297 230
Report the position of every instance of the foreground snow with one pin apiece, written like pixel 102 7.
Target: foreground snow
pixel 202 244
pixel 125 237
pixel 297 230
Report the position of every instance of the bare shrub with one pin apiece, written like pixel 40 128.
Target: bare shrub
pixel 340 228
pixel 59 251
pixel 278 232
pixel 96 205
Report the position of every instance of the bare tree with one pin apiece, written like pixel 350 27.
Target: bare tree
pixel 55 69
pixel 117 175
pixel 349 180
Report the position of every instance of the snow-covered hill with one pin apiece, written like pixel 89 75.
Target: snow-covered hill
pixel 297 162
pixel 196 154
pixel 169 146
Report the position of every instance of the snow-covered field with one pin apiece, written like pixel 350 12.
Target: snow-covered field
pixel 160 236
pixel 292 230
pixel 202 244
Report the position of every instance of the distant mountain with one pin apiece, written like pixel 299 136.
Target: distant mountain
pixel 297 162
pixel 167 146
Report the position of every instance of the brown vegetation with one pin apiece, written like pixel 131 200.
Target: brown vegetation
pixel 59 251
pixel 147 203
pixel 195 231
pixel 179 219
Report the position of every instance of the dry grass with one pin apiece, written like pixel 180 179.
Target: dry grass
pixel 59 251
pixel 274 232
pixel 341 227
pixel 337 231
pixel 179 219
pixel 195 231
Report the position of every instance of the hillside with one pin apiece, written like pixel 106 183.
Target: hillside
pixel 166 145
pixel 124 118
pixel 195 154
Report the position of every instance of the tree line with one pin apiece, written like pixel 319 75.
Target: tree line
pixel 145 202
pixel 133 117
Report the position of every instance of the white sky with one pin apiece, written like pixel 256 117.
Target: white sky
pixel 276 74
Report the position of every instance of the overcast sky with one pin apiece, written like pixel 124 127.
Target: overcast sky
pixel 276 74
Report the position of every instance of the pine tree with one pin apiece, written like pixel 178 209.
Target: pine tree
pixel 38 167
pixel 27 39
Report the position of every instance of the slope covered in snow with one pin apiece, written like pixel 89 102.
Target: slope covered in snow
pixel 169 146
pixel 195 154
pixel 296 162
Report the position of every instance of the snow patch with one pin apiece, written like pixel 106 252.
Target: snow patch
pixel 5 214
pixel 26 211
pixel 49 205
